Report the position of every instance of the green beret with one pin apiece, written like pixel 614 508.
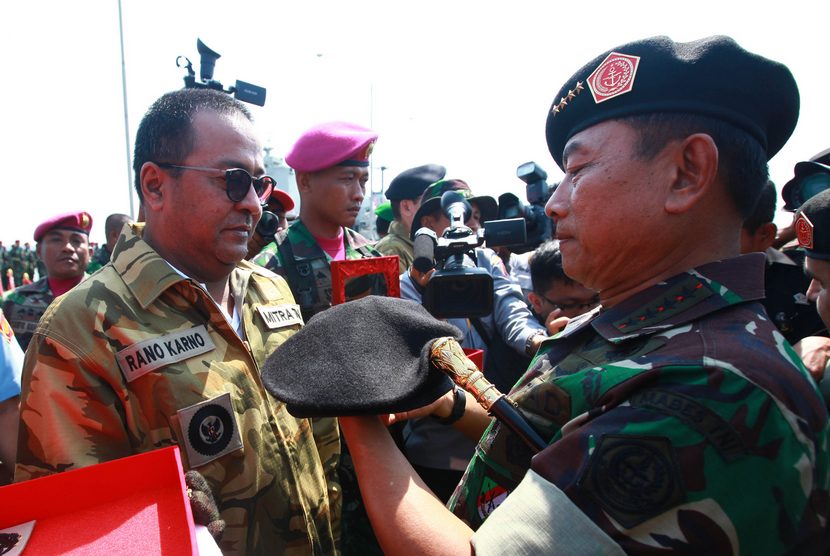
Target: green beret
pixel 431 200
pixel 369 356
pixel 711 77
pixel 384 211
pixel 812 226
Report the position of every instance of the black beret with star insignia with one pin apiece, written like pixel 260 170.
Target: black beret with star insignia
pixel 713 77
pixel 812 226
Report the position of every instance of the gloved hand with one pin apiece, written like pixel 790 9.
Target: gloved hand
pixel 203 505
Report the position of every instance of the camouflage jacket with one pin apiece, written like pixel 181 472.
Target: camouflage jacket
pixel 310 276
pixel 397 242
pixel 137 358
pixel 678 420
pixel 24 306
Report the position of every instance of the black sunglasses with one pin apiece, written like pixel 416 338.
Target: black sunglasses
pixel 594 301
pixel 237 181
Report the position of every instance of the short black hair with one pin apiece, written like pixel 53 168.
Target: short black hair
pixel 546 267
pixel 165 132
pixel 742 160
pixel 114 223
pixel 382 225
pixel 764 209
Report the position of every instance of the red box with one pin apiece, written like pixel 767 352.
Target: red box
pixel 133 505
pixel 352 268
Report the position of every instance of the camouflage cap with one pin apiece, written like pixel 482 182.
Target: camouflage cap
pixel 810 178
pixel 369 356
pixel 711 77
pixel 812 226
pixel 431 200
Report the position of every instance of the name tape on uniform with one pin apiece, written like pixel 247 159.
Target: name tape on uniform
pixel 281 316
pixel 149 355
pixel 209 430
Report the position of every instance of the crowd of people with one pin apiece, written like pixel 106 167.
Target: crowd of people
pixel 668 343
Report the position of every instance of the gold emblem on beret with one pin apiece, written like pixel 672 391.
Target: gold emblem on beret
pixel 85 220
pixel 563 102
pixel 369 148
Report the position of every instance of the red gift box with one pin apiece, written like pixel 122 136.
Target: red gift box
pixel 133 505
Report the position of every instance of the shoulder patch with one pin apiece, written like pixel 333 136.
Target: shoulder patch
pixel 633 478
pixel 209 430
pixel 280 316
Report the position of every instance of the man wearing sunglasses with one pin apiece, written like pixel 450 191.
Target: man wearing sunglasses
pixel 163 347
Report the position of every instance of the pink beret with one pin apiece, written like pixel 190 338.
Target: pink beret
pixel 77 221
pixel 332 144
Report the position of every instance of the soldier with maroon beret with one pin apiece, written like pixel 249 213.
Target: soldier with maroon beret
pixel 62 244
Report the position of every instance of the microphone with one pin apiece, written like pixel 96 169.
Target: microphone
pixel 447 355
pixel 424 250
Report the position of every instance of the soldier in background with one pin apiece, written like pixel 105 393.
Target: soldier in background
pixel 30 259
pixel 383 219
pixel 63 246
pixel 331 162
pixel 14 261
pixel 112 230
pixel 163 345
pixel 404 194
pixel 279 205
pixel 674 418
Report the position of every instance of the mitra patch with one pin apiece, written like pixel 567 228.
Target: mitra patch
pixel 281 316
pixel 155 353
pixel 209 430
pixel 633 478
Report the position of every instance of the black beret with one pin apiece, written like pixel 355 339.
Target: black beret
pixel 810 178
pixel 711 77
pixel 369 356
pixel 409 184
pixel 812 226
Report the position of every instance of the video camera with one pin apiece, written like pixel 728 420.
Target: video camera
pixel 246 92
pixel 539 226
pixel 459 287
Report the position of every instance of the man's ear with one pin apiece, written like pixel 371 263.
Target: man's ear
pixel 766 235
pixel 696 159
pixel 303 182
pixel 535 302
pixel 152 185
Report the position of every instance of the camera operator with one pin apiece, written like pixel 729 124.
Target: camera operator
pixel 438 452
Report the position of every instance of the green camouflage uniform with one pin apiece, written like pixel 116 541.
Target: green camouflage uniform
pixel 397 242
pixel 310 282
pixel 119 364
pixel 679 420
pixel 30 262
pixel 14 261
pixel 24 306
pixel 99 259
pixel 310 278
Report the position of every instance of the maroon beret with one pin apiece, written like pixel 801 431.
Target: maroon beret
pixel 332 144
pixel 76 221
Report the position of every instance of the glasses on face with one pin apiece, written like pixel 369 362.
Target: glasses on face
pixel 237 182
pixel 589 304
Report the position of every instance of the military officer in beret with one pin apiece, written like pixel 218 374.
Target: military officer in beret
pixel 676 417
pixel 383 219
pixel 404 193
pixel 163 346
pixel 331 161
pixel 63 246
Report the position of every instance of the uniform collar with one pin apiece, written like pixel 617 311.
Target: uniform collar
pixel 679 300
pixel 396 229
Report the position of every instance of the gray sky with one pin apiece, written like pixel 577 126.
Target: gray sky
pixel 463 83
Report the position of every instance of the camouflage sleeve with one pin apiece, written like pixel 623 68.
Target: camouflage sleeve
pixel 661 470
pixel 270 258
pixel 69 416
pixel 326 433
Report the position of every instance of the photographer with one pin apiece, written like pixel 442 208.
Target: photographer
pixel 440 453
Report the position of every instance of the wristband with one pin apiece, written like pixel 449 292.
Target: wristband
pixel 459 404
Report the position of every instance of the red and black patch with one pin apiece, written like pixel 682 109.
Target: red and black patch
pixel 804 230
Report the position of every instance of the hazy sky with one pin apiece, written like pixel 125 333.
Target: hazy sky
pixel 463 83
